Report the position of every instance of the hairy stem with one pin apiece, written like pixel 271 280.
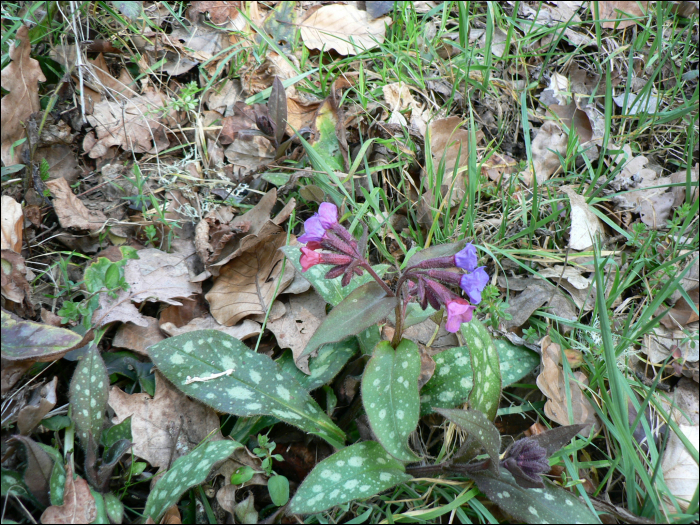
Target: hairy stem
pixel 379 280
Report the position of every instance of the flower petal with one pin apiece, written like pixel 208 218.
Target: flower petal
pixel 328 214
pixel 466 258
pixel 309 258
pixel 474 283
pixel 313 229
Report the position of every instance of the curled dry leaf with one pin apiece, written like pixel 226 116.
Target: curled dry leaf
pixel 138 338
pixel 165 427
pixel 585 225
pixel 551 383
pixel 137 124
pixel 219 12
pixel 535 294
pixel 399 98
pixel 242 331
pixel 41 402
pixel 71 211
pixel 21 78
pixel 14 285
pixel 304 313
pixel 246 285
pixel 343 28
pixel 679 469
pixel 12 225
pixel 37 474
pixel 78 502
pixel 682 313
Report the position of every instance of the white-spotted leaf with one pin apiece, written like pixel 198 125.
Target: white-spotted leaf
pixel 330 289
pixel 453 378
pixel 186 472
pixel 89 390
pixel 486 392
pixel 480 428
pixel 114 508
pixel 324 366
pixel 390 396
pixel 358 471
pixel 228 376
pixel 548 505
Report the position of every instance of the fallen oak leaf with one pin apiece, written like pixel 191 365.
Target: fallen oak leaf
pixel 70 210
pixel 12 225
pixel 247 284
pixel 78 502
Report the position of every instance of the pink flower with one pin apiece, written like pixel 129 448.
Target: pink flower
pixel 309 258
pixel 458 311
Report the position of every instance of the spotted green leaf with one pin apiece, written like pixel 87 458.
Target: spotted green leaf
pixel 358 471
pixel 480 428
pixel 390 396
pixel 364 307
pixel 330 289
pixel 452 381
pixel 548 505
pixel 114 508
pixel 57 483
pixel 29 340
pixel 12 484
pixel 89 390
pixel 100 507
pixel 186 472
pixel 323 367
pixel 226 375
pixel 486 392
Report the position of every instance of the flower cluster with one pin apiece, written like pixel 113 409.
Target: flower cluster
pixel 322 231
pixel 425 281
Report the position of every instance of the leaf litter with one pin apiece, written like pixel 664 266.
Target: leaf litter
pixel 192 131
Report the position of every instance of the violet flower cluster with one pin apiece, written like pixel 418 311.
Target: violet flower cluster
pixel 426 282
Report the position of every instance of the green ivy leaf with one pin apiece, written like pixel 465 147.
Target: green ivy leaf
pixel 239 381
pixel 187 471
pixel 358 471
pixel 363 308
pixel 452 381
pixel 548 505
pixel 29 340
pixel 480 428
pixel 89 390
pixel 324 366
pixel 390 396
pixel 486 392
pixel 330 289
pixel 278 486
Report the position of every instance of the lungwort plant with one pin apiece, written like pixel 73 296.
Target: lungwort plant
pixel 223 373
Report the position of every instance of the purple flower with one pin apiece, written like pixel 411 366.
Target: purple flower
pixel 315 227
pixel 473 284
pixel 328 214
pixel 526 460
pixel 466 258
pixel 458 311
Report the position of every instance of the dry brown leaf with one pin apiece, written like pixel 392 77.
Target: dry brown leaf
pixel 615 10
pixel 41 402
pixel 138 338
pixel 499 165
pixel 242 331
pixel 241 457
pixel 223 97
pixel 301 114
pixel 78 502
pixel 180 315
pixel 249 151
pixel 37 474
pixel 11 372
pixel 71 211
pixel 21 78
pixel 682 313
pixel 12 225
pixel 137 124
pixel 219 12
pixel 399 98
pixel 585 225
pixel 550 142
pixel 14 285
pixel 446 139
pixel 246 285
pixel 654 205
pixel 679 468
pixel 62 162
pixel 304 313
pixel 581 289
pixel 171 516
pixel 165 427
pixel 344 28
pixel 680 177
pixel 537 293
pixel 551 382
pixel 154 276
pixel 664 342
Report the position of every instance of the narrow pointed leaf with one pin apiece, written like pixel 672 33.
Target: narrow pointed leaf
pixel 487 370
pixel 390 396
pixel 479 428
pixel 324 366
pixel 89 390
pixel 358 471
pixel 236 380
pixel 452 381
pixel 186 472
pixel 40 342
pixel 330 289
pixel 548 505
pixel 277 106
pixel 364 307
